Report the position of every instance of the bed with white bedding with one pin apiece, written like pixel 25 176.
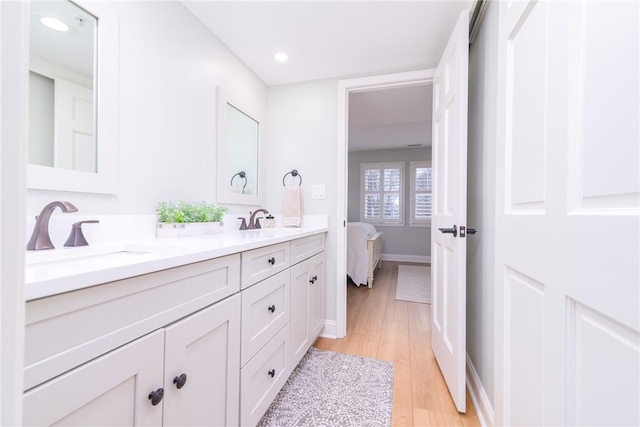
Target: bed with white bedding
pixel 364 252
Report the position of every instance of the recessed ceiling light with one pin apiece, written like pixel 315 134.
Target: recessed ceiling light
pixel 54 23
pixel 281 56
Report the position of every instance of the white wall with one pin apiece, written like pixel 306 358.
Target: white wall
pixel 302 130
pixel 407 240
pixel 170 66
pixel 481 197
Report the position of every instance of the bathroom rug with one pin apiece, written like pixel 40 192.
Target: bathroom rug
pixel 334 389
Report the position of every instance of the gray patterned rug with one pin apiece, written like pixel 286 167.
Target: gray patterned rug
pixel 334 389
pixel 414 284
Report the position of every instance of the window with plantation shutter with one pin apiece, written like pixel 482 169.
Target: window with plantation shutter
pixel 421 193
pixel 382 193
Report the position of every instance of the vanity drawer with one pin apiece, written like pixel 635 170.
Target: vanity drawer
pixel 261 263
pixel 306 247
pixel 258 386
pixel 265 310
pixel 67 330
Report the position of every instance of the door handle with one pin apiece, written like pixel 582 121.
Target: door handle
pixel 464 231
pixel 453 230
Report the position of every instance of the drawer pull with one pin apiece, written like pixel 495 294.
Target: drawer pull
pixel 272 308
pixel 313 279
pixel 156 396
pixel 272 373
pixel 271 261
pixel 180 381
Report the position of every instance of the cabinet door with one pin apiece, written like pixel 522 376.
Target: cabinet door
pixel 316 297
pixel 205 347
pixel 112 390
pixel 300 340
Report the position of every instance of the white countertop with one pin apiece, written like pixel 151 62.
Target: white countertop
pixel 63 270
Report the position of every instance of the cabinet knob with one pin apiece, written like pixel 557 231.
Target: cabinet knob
pixel 180 381
pixel 271 261
pixel 272 308
pixel 156 396
pixel 272 373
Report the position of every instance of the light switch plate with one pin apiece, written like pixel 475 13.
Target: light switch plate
pixel 319 191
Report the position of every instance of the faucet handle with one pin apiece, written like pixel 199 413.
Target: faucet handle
pixel 76 237
pixel 243 226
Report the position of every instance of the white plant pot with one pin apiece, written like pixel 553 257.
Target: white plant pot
pixel 188 230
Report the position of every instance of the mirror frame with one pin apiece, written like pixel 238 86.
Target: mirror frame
pixel 106 85
pixel 223 193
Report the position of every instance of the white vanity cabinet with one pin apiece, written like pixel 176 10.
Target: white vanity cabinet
pixel 279 311
pixel 115 388
pixel 146 331
pixel 265 329
pixel 111 390
pixel 307 305
pixel 213 338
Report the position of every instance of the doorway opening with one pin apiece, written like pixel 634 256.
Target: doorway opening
pixel 389 185
pixel 360 91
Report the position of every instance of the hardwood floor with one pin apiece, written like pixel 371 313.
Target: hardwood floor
pixel 380 327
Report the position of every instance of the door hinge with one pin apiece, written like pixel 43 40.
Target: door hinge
pixel 344 223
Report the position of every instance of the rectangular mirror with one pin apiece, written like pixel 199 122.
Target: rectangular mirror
pixel 239 148
pixel 61 80
pixel 73 89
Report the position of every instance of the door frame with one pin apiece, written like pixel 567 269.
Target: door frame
pixel 345 87
pixel 14 88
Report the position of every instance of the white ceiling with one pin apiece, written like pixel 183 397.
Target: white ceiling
pixel 335 39
pixel 390 118
pixel 329 39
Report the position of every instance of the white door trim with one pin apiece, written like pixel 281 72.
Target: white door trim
pixel 14 88
pixel 362 84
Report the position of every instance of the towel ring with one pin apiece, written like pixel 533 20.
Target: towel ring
pixel 293 173
pixel 242 174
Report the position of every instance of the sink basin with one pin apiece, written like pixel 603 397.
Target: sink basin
pixel 88 254
pixel 281 231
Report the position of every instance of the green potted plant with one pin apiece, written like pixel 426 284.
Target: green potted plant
pixel 184 219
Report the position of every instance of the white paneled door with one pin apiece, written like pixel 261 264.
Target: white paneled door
pixel 448 226
pixel 73 122
pixel 568 204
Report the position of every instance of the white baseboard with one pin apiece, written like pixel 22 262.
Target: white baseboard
pixel 406 258
pixel 329 330
pixel 479 396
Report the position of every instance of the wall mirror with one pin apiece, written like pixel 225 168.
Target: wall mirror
pixel 239 148
pixel 73 90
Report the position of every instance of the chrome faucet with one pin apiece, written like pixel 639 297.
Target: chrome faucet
pixel 254 223
pixel 40 238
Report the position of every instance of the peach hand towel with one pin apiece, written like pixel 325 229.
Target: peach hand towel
pixel 292 206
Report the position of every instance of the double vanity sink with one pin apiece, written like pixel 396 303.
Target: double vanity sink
pixel 51 272
pixel 194 331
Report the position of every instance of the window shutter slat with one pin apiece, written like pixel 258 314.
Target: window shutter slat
pixel 392 206
pixel 372 206
pixel 423 206
pixel 423 179
pixel 372 180
pixel 392 179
